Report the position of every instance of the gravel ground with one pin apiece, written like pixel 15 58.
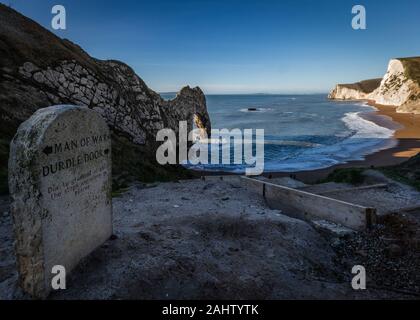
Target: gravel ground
pixel 391 253
pixel 206 240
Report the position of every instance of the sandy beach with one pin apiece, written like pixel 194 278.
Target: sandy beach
pixel 410 131
pixel 407 145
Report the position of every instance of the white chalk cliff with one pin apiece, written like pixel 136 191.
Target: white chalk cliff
pixel 354 91
pixel 400 87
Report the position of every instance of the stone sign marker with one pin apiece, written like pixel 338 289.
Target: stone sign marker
pixel 60 184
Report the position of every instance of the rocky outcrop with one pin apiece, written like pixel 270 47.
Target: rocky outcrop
pixel 399 87
pixel 39 69
pixel 123 99
pixel 354 91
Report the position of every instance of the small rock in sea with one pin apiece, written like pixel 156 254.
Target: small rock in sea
pixel 185 198
pixel 225 198
pixel 252 109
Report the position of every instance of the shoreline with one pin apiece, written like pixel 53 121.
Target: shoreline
pixel 407 136
pixel 407 145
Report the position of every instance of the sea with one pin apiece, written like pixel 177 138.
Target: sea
pixel 302 132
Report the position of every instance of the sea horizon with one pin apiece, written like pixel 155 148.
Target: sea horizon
pixel 251 94
pixel 296 138
pixel 203 157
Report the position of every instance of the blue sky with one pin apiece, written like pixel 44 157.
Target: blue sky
pixel 240 46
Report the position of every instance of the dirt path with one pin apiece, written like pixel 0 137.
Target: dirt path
pixel 202 240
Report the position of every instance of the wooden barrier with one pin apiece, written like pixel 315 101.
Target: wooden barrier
pixel 310 206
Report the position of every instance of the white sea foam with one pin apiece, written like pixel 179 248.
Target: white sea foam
pixel 348 137
pixel 363 104
pixel 363 137
pixel 364 128
pixel 256 109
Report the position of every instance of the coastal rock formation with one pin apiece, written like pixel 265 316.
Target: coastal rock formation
pixel 354 91
pixel 39 69
pixel 399 87
pixel 123 99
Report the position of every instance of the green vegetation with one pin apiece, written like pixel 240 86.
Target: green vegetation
pixel 407 172
pixel 131 162
pixel 412 67
pixel 4 188
pixel 365 86
pixel 118 192
pixel 368 86
pixel 4 158
pixel 346 175
pixel 397 176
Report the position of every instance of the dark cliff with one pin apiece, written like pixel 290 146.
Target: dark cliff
pixel 38 69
